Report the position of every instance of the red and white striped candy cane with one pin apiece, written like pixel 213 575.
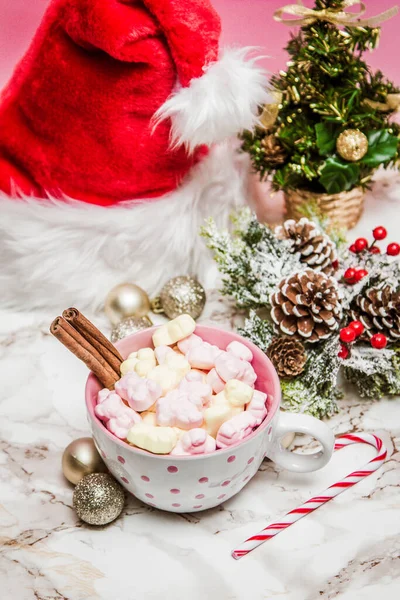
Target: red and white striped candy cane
pixel 317 501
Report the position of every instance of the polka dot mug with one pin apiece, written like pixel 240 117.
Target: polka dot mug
pixel 195 483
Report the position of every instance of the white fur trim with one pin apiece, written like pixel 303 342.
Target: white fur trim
pixel 218 105
pixel 55 254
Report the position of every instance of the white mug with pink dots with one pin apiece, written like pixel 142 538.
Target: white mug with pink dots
pixel 194 483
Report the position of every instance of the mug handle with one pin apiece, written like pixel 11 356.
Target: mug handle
pixel 295 423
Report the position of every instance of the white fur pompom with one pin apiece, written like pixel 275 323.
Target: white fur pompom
pixel 218 105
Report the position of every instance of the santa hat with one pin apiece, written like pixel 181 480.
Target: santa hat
pixel 115 103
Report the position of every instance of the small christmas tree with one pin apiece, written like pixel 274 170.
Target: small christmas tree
pixel 330 128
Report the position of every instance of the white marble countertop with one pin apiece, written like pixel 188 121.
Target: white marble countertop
pixel 348 550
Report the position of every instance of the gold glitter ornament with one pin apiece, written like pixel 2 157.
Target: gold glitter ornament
pixel 81 458
pixel 126 300
pixel 352 145
pixel 270 111
pixel 129 326
pixel 182 295
pixel 98 499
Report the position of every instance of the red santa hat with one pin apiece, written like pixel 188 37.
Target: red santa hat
pixel 117 102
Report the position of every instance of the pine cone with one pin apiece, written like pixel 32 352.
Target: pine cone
pixel 378 309
pixel 274 152
pixel 288 356
pixel 315 248
pixel 307 306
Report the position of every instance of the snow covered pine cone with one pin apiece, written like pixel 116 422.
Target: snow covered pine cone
pixel 288 356
pixel 315 248
pixel 378 309
pixel 307 306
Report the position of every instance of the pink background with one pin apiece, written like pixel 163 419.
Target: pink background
pixel 246 22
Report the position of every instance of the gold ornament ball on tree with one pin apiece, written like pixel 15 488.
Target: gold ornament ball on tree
pixel 126 300
pixel 352 145
pixel 181 295
pixel 129 326
pixel 81 458
pixel 98 499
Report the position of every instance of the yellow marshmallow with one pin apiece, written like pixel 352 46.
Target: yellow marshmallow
pixel 215 416
pixel 128 365
pixel 165 377
pixel 238 393
pixel 174 331
pixel 158 440
pixel 177 362
pixel 149 418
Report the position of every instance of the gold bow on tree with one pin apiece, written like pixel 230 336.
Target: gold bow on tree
pixel 392 103
pixel 307 16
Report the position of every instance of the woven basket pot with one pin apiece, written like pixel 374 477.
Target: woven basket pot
pixel 343 210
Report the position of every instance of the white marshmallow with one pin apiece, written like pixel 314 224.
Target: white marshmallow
pixel 158 440
pixel 174 331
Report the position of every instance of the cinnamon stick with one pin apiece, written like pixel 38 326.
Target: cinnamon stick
pixel 94 337
pixel 83 350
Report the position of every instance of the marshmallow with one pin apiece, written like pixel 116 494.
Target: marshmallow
pixel 215 416
pixel 257 406
pixel 238 393
pixel 119 418
pixel 236 429
pixel 240 351
pixel 229 367
pixel 215 381
pixel 194 442
pixel 177 409
pixel 165 377
pixel 158 440
pixel 203 356
pixel 141 362
pixel 140 393
pixel 190 342
pixel 196 388
pixel 174 331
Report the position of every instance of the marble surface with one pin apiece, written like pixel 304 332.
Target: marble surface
pixel 348 550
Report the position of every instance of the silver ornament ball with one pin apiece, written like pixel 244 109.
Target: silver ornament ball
pixel 129 326
pixel 126 300
pixel 98 499
pixel 182 295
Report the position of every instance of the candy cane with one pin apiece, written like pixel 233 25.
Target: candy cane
pixel 317 501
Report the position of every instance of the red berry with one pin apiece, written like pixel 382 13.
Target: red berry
pixel 375 250
pixel 335 264
pixel 361 244
pixel 379 233
pixel 347 335
pixel 353 248
pixel 357 327
pixel 393 249
pixel 379 341
pixel 360 274
pixel 349 275
pixel 344 352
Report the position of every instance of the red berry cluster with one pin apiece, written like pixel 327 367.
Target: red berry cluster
pixel 354 330
pixel 379 233
pixel 348 335
pixel 353 276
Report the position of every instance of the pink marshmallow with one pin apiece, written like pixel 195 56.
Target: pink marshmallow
pixel 194 442
pixel 215 381
pixel 119 418
pixel 178 409
pixel 230 367
pixel 203 356
pixel 236 429
pixel 196 388
pixel 189 342
pixel 240 351
pixel 194 376
pixel 257 406
pixel 161 353
pixel 140 393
